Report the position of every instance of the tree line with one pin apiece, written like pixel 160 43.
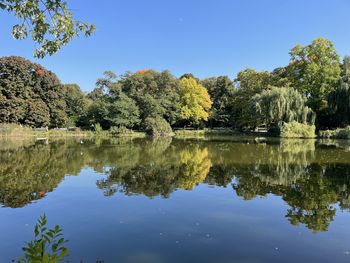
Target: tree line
pixel 312 89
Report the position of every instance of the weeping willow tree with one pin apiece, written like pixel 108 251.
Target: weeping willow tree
pixel 339 100
pixel 275 106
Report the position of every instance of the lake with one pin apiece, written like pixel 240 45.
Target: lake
pixel 169 200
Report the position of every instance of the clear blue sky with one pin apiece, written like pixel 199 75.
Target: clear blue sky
pixel 205 37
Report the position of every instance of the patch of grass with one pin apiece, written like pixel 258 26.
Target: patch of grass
pixel 15 130
pixel 124 132
pixel 183 133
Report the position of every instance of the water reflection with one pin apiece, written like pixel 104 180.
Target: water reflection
pixel 163 170
pixel 311 177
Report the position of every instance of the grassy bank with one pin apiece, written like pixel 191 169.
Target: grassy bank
pixel 335 134
pixel 13 130
pixel 293 130
pixel 183 133
pixel 17 131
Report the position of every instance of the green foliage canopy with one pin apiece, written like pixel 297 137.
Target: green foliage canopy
pixel 156 93
pixel 339 100
pixel 249 82
pixel 30 94
pixel 314 70
pixel 50 23
pixel 221 91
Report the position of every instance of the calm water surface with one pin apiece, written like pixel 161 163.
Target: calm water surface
pixel 219 200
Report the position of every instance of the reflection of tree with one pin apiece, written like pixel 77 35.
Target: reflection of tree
pixel 311 202
pixel 310 189
pixel 194 167
pixel 275 167
pixel 286 163
pixel 29 169
pixel 334 143
pixel 310 181
pixel 167 170
pixel 220 175
pixel 339 178
pixel 28 173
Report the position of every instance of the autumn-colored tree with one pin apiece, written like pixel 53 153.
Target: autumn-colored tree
pixel 195 101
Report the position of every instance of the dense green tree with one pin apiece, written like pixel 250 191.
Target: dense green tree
pixel 156 93
pixel 76 102
pixel 110 106
pixel 30 94
pixel 151 107
pixel 123 112
pixel 277 105
pixel 38 113
pixel 279 77
pixel 50 23
pixel 314 70
pixel 221 91
pixel 339 100
pixel 253 81
pixel 97 112
pixel 195 101
pixel 249 82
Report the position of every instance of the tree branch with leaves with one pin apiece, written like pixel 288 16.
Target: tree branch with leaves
pixel 49 23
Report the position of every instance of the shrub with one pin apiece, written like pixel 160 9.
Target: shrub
pixel 98 128
pixel 115 131
pixel 297 130
pixel 336 134
pixel 157 126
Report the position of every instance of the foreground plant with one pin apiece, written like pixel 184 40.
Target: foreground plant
pixel 47 246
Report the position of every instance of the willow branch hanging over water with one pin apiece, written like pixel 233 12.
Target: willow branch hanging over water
pixel 277 105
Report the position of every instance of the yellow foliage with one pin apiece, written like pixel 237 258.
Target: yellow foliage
pixel 195 167
pixel 195 99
